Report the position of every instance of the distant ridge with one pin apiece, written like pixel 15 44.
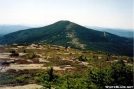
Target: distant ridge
pixel 74 35
pixel 6 29
pixel 129 33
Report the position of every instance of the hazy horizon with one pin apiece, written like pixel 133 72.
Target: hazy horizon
pixel 92 27
pixel 37 13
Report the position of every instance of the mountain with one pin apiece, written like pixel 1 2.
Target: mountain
pixel 74 35
pixel 6 29
pixel 120 32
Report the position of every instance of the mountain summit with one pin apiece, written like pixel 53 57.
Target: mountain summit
pixel 74 35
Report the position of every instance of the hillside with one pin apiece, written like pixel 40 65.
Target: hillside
pixel 74 35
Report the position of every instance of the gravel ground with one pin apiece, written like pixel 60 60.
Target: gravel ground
pixel 29 86
pixel 30 66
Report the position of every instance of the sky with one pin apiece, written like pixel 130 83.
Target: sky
pixel 102 13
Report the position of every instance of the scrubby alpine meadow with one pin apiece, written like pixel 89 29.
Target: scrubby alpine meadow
pixel 62 67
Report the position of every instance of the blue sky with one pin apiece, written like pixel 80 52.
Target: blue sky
pixel 103 13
